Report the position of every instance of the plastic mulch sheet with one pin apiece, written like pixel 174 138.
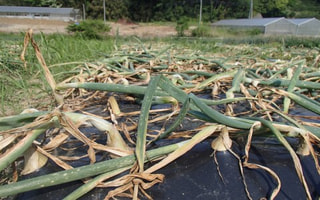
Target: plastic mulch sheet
pixel 195 175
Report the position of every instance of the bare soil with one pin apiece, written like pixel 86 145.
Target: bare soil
pixel 142 30
pixel 16 25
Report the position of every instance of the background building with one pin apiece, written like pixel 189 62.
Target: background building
pixel 265 25
pixel 65 14
pixel 306 26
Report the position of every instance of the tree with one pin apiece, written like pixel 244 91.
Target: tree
pixel 116 9
pixel 141 10
pixel 170 10
pixel 173 10
pixel 272 8
pixel 50 3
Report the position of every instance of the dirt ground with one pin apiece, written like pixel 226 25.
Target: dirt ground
pixel 14 25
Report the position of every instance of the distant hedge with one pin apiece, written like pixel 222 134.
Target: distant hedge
pixel 90 29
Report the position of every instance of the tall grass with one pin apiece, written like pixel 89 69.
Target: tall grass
pixel 20 87
pixel 59 48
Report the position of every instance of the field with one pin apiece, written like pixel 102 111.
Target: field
pixel 123 28
pixel 15 25
pixel 129 105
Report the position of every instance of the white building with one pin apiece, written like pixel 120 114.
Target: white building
pixel 306 26
pixel 270 26
pixel 65 14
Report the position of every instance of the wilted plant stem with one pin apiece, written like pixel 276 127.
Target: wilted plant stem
pixel 93 183
pixel 22 146
pixel 81 172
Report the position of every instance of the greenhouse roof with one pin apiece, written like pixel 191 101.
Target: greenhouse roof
pixel 22 9
pixel 299 21
pixel 247 22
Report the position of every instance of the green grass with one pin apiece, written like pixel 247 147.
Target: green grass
pixel 59 48
pixel 22 88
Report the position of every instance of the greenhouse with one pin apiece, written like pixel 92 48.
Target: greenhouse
pixel 266 25
pixel 306 26
pixel 65 14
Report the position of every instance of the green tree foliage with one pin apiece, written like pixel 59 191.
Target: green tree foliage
pixel 141 10
pixel 39 3
pixel 173 10
pixel 95 9
pixel 114 9
pixel 201 31
pixel 272 8
pixel 226 9
pixel 306 8
pixel 182 26
pixel 89 29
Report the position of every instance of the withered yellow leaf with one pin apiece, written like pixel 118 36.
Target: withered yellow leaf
pixel 33 160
